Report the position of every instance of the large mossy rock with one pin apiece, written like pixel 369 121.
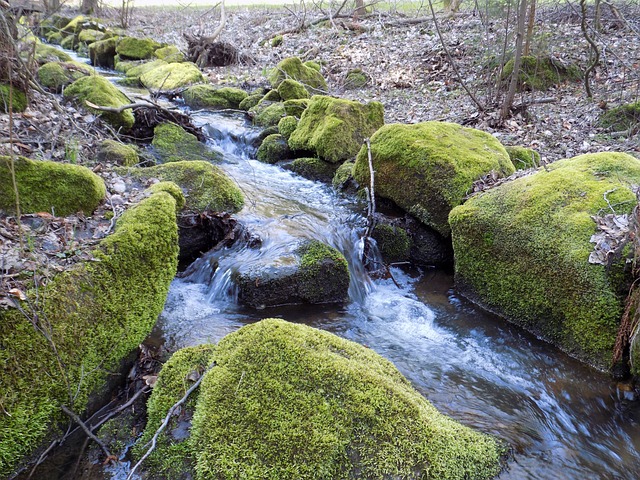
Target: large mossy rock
pixel 45 186
pixel 12 99
pixel 541 73
pixel 334 128
pixel 103 52
pixel 172 76
pixel 118 153
pixel 288 401
pixel 273 149
pixel 136 48
pixel 47 53
pixel 54 76
pixel 206 186
pixel 95 314
pixel 428 168
pixel 100 91
pixel 133 72
pixel 313 168
pixel 315 273
pixel 267 114
pixel 208 96
pixel 170 54
pixel 624 117
pixel 293 68
pixel 173 143
pixel 522 249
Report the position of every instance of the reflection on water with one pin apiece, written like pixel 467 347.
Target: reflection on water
pixel 563 420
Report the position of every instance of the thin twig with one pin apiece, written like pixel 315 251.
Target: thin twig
pixel 86 429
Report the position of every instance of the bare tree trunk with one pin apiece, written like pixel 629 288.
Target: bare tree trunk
pixel 360 10
pixel 89 7
pixel 593 49
pixel 517 62
pixel 532 21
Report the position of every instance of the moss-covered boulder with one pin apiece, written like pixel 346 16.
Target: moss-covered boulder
pixel 343 174
pixel 55 38
pixel 522 249
pixel 170 54
pixel 208 96
pixel 134 72
pixel 287 125
pixel 95 314
pixel 172 76
pixel 136 48
pixel 47 53
pixel 523 158
pixel 428 168
pixel 356 79
pixel 315 273
pixel 310 405
pixel 68 43
pixel 334 128
pixel 296 108
pixel 90 35
pixel 624 117
pixel 313 169
pixel 103 52
pixel 54 76
pixel 100 91
pixel 12 99
pixel 541 73
pixel 273 149
pixel 45 186
pixel 173 144
pixel 293 68
pixel 291 90
pixel 118 153
pixel 206 186
pixel 250 101
pixel 393 242
pixel 267 114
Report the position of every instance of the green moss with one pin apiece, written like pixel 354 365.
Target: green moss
pixel 172 76
pixel 273 149
pixel 523 158
pixel 290 401
pixel 287 125
pixel 334 128
pixel 14 97
pixel 522 249
pixel 271 96
pixel 428 168
pixel 89 36
pixel 294 69
pixel 624 117
pixel 170 54
pixel 207 186
pixel 541 73
pixel 102 53
pixel 171 188
pixel 208 96
pixel 343 174
pixel 292 90
pixel 173 144
pixel 123 66
pixel 325 272
pixel 313 169
pixel 277 41
pixel 45 186
pixel 47 53
pixel 75 25
pixel 55 75
pixel 393 242
pixel 95 314
pixel 54 38
pixel 136 48
pixel 266 114
pixel 134 72
pixel 118 153
pixel 314 65
pixel 68 43
pixel 356 79
pixel 100 91
pixel 251 101
pixel 296 108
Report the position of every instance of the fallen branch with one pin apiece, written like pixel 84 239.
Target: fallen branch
pixel 372 193
pixel 87 430
pixel 117 109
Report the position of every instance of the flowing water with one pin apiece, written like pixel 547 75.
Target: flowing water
pixel 563 420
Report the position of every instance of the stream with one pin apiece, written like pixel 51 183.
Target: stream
pixel 563 420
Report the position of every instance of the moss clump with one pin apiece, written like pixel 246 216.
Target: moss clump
pixel 296 108
pixel 393 242
pixel 277 41
pixel 100 91
pixel 173 144
pixel 294 69
pixel 292 90
pixel 102 53
pixel 55 75
pixel 170 54
pixel 172 189
pixel 68 43
pixel 208 96
pixel 428 168
pixel 523 249
pixel 523 158
pixel 273 149
pixel 313 406
pixel 334 128
pixel 12 97
pixel 271 96
pixel 287 125
pixel 343 174
pixel 172 76
pixel 95 314
pixel 313 169
pixel 75 25
pixel 541 73
pixel 47 53
pixel 54 38
pixel 118 153
pixel 136 48
pixel 266 114
pixel 356 79
pixel 90 35
pixel 208 187
pixel 250 101
pixel 624 117
pixel 134 72
pixel 45 186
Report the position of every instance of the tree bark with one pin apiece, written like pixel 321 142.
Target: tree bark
pixel 517 62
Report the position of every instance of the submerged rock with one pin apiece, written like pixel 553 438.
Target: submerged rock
pixel 316 273
pixel 334 128
pixel 428 168
pixel 289 401
pixel 172 76
pixel 173 143
pixel 523 250
pixel 46 186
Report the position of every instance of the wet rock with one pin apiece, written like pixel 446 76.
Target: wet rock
pixel 274 148
pixel 313 169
